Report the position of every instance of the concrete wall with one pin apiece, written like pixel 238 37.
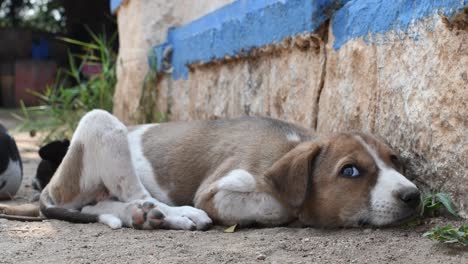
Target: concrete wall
pixel 396 69
pixel 143 24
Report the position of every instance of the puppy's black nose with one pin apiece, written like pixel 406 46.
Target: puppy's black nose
pixel 410 196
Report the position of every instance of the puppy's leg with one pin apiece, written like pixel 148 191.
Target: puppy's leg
pixel 148 215
pixel 96 166
pixel 108 162
pixel 107 159
pixel 116 214
pixel 235 199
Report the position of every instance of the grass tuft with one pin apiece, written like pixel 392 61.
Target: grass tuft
pixel 433 202
pixel 72 95
pixel 449 234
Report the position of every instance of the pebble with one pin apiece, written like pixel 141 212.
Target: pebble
pixel 261 257
pixel 367 230
pixel 3 220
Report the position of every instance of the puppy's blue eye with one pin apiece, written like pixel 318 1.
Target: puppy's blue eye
pixel 350 171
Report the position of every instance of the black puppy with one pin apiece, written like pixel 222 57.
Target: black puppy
pixel 11 167
pixel 51 155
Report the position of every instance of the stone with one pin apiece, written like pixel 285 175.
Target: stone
pixel 261 257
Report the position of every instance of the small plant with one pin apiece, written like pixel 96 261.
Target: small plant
pixel 147 103
pixel 72 95
pixel 432 202
pixel 449 234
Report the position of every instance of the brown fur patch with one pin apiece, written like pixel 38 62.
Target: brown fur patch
pixel 65 184
pixel 385 153
pixel 184 154
pixel 289 176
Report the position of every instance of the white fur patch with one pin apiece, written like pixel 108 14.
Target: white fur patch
pixel 237 201
pixel 384 203
pixel 293 137
pixel 142 166
pixel 237 181
pixel 184 217
pixel 106 159
pixel 101 133
pixel 11 179
pixel 110 220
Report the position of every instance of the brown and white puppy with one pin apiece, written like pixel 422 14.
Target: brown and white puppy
pixel 183 175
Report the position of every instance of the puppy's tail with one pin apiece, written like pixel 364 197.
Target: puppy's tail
pixel 51 211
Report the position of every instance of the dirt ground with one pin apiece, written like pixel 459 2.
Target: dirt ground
pixel 60 242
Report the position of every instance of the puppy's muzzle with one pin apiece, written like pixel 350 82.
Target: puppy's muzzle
pixel 409 196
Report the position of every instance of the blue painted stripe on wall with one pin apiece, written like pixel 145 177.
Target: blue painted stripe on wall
pixel 246 24
pixel 241 26
pixel 114 4
pixel 362 17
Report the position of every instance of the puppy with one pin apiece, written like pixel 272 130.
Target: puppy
pixel 11 167
pixel 250 170
pixel 51 156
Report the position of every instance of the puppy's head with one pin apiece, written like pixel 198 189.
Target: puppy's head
pixel 346 180
pixel 52 155
pixel 54 151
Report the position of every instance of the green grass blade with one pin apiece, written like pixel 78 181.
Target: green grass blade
pixel 447 202
pixel 79 43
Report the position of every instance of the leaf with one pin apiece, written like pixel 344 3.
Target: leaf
pixel 434 206
pixel 79 43
pixel 449 234
pixel 447 202
pixel 231 229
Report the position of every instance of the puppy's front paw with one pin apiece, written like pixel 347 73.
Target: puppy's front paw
pixel 155 215
pixel 186 218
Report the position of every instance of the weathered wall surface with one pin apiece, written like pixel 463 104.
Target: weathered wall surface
pixel 405 81
pixel 271 84
pixel 142 24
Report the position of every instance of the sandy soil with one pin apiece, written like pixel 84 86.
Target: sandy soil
pixel 60 242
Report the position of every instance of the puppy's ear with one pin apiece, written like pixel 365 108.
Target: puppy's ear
pixel 54 151
pixel 289 177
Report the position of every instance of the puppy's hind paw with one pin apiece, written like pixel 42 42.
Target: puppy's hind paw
pixel 147 216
